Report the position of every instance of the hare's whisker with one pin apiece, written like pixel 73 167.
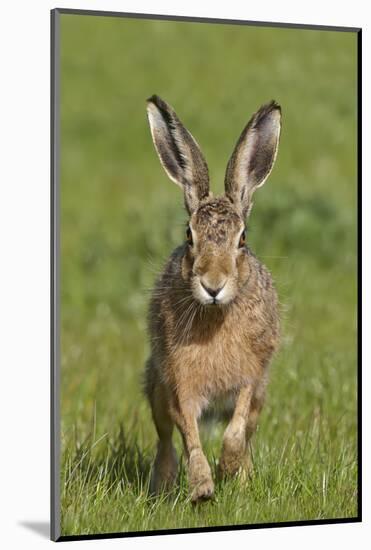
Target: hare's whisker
pixel 183 317
pixel 190 321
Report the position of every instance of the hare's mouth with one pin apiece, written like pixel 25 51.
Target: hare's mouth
pixel 212 296
pixel 214 303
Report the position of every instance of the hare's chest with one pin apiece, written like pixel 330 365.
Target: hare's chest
pixel 211 369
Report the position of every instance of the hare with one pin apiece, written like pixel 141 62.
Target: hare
pixel 213 316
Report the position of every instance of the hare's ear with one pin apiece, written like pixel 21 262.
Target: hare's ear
pixel 179 153
pixel 254 155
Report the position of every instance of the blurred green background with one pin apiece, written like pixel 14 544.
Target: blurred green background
pixel 120 219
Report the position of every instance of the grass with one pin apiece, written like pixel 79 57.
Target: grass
pixel 120 219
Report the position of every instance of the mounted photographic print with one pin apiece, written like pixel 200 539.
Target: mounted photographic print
pixel 204 275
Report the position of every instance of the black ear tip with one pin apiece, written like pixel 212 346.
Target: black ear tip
pixel 156 100
pixel 152 99
pixel 265 111
pixel 274 105
pixel 270 107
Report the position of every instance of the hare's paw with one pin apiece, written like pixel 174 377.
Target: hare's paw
pixel 200 479
pixel 234 453
pixel 232 465
pixel 203 491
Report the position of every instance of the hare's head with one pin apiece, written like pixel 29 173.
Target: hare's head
pixel 216 258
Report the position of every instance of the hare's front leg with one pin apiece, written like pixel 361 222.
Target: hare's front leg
pixel 235 456
pixel 199 474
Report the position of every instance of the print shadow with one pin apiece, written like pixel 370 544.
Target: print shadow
pixel 41 528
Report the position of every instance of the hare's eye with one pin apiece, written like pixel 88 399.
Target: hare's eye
pixel 242 239
pixel 189 236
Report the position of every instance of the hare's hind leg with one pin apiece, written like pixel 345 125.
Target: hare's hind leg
pixel 257 403
pixel 165 467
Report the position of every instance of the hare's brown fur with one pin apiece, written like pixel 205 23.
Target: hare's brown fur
pixel 204 349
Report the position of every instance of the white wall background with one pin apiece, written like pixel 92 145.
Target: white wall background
pixel 24 268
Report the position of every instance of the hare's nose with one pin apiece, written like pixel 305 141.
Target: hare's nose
pixel 212 291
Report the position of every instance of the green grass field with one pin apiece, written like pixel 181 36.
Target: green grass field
pixel 121 217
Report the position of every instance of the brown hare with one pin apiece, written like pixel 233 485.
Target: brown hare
pixel 213 318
